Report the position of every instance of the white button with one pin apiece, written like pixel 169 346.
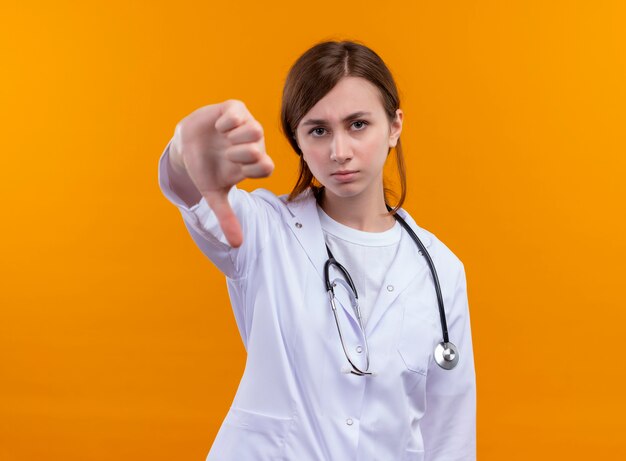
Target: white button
pixel 359 349
pixel 298 225
pixel 389 287
pixel 349 421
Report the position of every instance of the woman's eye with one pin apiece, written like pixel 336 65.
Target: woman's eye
pixel 319 131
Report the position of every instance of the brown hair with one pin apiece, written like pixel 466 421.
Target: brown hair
pixel 313 75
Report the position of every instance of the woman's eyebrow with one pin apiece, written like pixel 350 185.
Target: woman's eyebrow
pixel 318 121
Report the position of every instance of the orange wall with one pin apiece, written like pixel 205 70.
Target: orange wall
pixel 116 338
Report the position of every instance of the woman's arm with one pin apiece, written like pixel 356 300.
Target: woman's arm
pixel 449 423
pixel 218 146
pixel 212 150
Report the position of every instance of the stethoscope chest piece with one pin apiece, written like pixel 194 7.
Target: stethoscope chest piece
pixel 446 355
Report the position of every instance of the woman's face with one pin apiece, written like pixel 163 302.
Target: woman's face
pixel 346 136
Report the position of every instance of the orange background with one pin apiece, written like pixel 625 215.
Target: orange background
pixel 116 337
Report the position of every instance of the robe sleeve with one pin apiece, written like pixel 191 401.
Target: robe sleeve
pixel 449 423
pixel 254 214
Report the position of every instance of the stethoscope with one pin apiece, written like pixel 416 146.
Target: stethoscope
pixel 446 353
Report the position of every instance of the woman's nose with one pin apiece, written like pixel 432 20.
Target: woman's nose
pixel 340 149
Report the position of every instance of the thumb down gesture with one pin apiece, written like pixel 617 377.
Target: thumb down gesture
pixel 218 146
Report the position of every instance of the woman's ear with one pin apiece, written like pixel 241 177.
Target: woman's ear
pixel 396 128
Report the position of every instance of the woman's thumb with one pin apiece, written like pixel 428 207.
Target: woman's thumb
pixel 218 202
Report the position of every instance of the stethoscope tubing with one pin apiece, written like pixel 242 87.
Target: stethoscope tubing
pixel 431 265
pixel 331 296
pixel 446 353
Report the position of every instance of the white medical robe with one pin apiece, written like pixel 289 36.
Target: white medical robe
pixel 294 402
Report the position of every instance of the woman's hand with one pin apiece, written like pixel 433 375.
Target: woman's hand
pixel 218 146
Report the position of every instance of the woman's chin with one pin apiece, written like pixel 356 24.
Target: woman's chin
pixel 347 190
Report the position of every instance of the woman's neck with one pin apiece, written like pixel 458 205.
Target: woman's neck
pixel 365 213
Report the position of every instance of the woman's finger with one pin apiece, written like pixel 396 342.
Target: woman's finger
pixel 218 202
pixel 244 153
pixel 260 169
pixel 250 131
pixel 234 114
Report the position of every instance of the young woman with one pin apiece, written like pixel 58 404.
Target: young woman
pixel 354 352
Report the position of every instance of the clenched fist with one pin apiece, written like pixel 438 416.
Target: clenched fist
pixel 218 146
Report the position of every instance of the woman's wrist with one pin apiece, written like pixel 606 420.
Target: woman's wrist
pixel 176 161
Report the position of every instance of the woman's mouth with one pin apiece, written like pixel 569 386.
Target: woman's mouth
pixel 345 176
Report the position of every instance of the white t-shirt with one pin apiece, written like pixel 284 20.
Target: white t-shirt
pixel 366 256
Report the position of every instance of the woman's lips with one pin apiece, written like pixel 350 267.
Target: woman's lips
pixel 345 177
